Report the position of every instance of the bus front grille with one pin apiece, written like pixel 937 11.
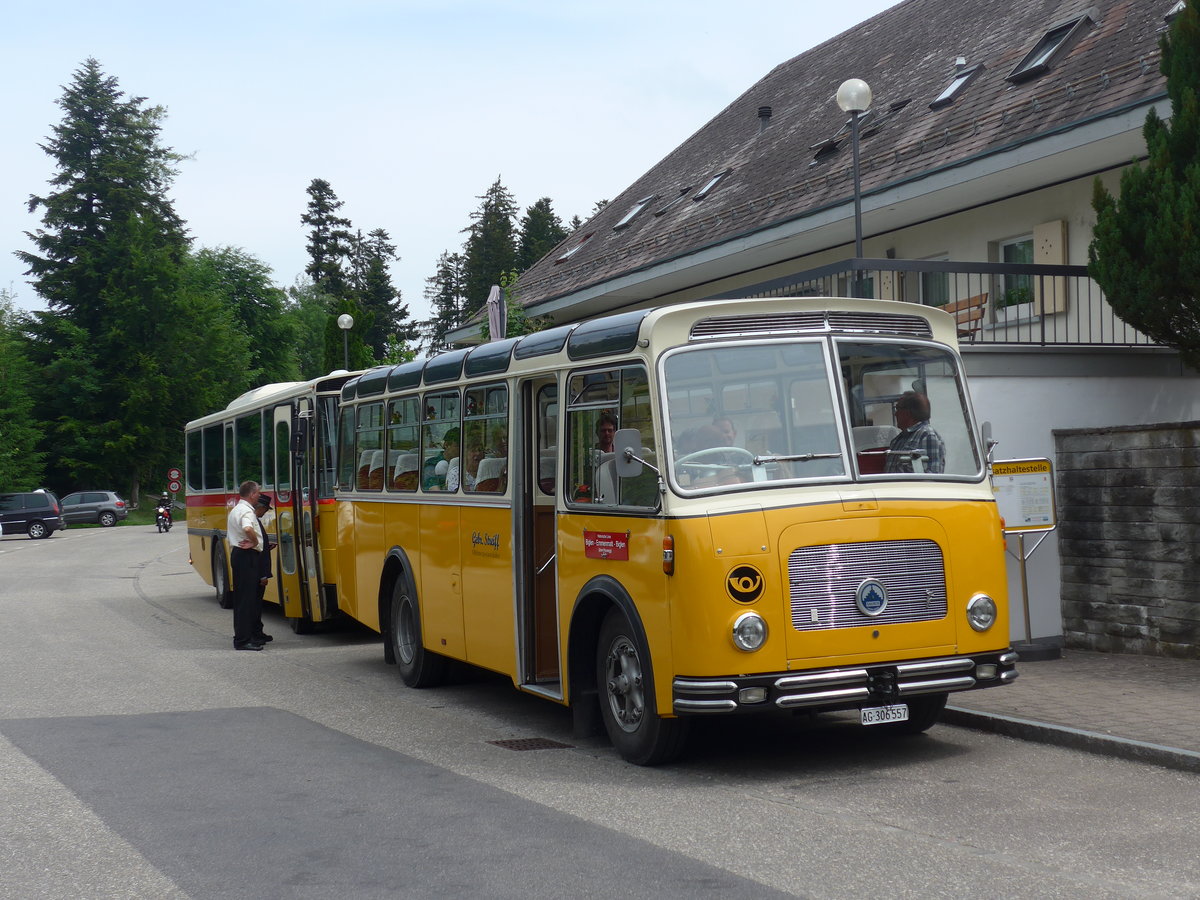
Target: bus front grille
pixel 825 582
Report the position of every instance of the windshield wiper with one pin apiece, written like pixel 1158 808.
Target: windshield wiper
pixel 795 457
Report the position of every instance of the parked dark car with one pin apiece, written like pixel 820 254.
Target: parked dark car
pixel 36 513
pixel 103 507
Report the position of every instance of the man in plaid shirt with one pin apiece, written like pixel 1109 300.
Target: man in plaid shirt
pixel 916 436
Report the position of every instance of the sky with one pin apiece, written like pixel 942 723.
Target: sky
pixel 410 109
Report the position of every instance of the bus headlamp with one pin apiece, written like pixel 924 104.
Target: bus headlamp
pixel 981 612
pixel 749 631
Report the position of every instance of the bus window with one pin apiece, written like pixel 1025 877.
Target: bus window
pixel 441 442
pixel 745 416
pixel 485 440
pixel 600 404
pixel 249 448
pixel 881 377
pixel 547 438
pixel 195 461
pixel 403 449
pixel 345 481
pixel 369 447
pixel 283 457
pixel 214 459
pixel 228 476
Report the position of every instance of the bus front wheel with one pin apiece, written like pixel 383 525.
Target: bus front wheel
pixel 417 666
pixel 627 702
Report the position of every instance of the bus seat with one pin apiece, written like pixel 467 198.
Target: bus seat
pixel 604 491
pixel 404 474
pixel 491 468
pixel 375 472
pixel 547 463
pixel 364 469
pixel 872 438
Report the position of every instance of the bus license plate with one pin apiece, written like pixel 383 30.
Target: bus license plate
pixel 878 715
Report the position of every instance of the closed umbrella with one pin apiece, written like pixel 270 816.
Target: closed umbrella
pixel 497 314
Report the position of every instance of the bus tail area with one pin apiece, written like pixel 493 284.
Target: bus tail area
pixel 744 507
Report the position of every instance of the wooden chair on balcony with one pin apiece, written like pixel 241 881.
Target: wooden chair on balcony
pixel 968 313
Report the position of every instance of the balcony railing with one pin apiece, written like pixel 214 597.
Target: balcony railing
pixel 1021 304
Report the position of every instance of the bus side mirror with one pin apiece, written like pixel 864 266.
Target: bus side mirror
pixel 627 445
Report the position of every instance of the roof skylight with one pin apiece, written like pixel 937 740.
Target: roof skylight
pixel 710 185
pixel 637 208
pixel 571 252
pixel 683 192
pixel 960 81
pixel 1052 45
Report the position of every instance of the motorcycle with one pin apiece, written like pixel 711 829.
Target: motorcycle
pixel 162 517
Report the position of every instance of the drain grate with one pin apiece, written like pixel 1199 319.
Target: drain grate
pixel 531 744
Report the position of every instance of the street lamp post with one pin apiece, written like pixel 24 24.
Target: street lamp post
pixel 346 322
pixel 854 97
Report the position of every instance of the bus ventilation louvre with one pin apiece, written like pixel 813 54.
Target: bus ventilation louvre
pixel 810 323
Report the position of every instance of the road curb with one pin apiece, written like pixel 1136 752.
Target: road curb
pixel 1074 738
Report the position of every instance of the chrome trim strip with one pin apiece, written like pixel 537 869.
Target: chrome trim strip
pixel 705 706
pixel 1008 659
pixel 838 696
pixel 935 686
pixel 1006 677
pixel 933 666
pixel 685 686
pixel 835 676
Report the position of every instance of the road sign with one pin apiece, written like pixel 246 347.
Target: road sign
pixel 1024 491
pixel 174 475
pixel 174 487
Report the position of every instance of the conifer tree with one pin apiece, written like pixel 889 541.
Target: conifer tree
pixel 541 231
pixel 329 239
pixel 21 463
pixel 1145 251
pixel 491 247
pixel 444 292
pixel 391 325
pixel 120 347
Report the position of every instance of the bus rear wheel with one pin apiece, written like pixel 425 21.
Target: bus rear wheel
pixel 627 702
pixel 417 666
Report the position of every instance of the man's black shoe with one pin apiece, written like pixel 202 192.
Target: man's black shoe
pixel 248 646
pixel 263 639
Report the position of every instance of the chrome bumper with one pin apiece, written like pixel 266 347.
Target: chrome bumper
pixel 846 688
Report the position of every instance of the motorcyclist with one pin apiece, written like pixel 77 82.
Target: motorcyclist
pixel 164 507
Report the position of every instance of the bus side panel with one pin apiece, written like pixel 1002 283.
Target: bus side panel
pixel 327 547
pixel 439 581
pixel 487 600
pixel 370 548
pixel 206 515
pixel 641 575
pixel 345 550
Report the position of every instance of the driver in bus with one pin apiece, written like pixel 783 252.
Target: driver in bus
pixel 916 436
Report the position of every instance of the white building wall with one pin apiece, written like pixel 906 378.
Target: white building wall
pixel 1024 411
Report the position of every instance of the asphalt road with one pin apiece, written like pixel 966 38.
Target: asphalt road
pixel 141 757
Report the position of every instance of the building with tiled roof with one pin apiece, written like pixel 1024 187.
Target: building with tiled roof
pixel 990 123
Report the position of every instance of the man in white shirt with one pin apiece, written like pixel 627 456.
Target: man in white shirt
pixel 245 542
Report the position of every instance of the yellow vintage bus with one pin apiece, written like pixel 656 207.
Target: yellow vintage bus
pixel 713 509
pixel 282 436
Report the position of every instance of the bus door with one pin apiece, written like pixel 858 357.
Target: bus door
pixel 295 558
pixel 534 502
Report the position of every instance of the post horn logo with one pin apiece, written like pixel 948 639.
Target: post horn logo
pixel 744 584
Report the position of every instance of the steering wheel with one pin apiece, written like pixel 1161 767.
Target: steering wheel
pixel 720 457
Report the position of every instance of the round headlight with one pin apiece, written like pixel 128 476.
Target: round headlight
pixel 749 631
pixel 981 612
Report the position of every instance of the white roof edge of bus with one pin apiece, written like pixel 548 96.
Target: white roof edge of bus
pixel 945 328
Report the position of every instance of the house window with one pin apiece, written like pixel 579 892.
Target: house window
pixel 1016 289
pixel 1052 45
pixel 935 286
pixel 637 208
pixel 955 87
pixel 710 185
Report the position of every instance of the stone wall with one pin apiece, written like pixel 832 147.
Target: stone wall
pixel 1129 538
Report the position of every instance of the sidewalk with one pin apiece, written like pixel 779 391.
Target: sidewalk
pixel 1135 707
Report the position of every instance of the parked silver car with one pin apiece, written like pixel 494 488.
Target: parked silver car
pixel 103 507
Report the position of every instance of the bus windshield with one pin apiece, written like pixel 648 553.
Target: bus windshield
pixel 742 415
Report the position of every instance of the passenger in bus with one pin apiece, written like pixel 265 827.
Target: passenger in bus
pixel 441 471
pixel 473 453
pixel 606 431
pixel 728 430
pixel 916 436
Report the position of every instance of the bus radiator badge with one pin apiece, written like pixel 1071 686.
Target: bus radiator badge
pixel 871 597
